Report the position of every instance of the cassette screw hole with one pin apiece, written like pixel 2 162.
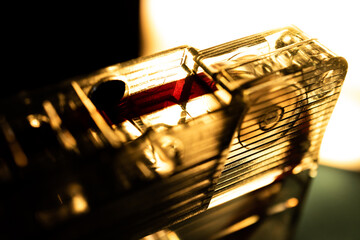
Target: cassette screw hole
pixel 326 84
pixel 108 93
pixel 270 117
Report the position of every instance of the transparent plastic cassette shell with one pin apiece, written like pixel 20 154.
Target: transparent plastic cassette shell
pixel 149 143
pixel 289 84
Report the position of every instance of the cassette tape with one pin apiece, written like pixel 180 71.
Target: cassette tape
pixel 144 145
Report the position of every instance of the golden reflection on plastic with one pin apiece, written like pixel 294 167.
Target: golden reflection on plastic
pixel 281 207
pixel 60 199
pixel 34 121
pixel 265 180
pixel 18 153
pixel 130 129
pixel 95 138
pixel 292 202
pixel 162 235
pixel 79 204
pixel 64 135
pixel 164 168
pixel 237 227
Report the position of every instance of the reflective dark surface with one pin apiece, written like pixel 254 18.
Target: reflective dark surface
pixel 332 209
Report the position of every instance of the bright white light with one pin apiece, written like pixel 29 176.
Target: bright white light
pixel 340 146
pixel 205 23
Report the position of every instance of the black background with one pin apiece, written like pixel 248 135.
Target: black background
pixel 43 45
